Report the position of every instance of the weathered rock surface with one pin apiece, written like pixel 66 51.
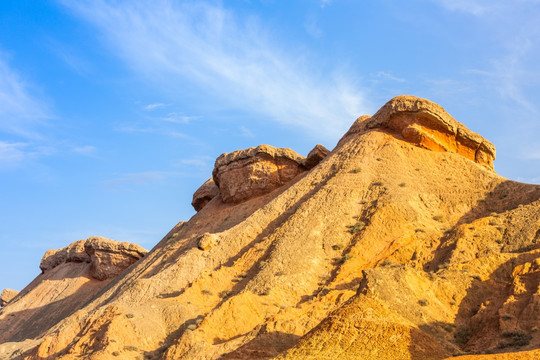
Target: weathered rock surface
pixel 108 257
pixel 384 250
pixel 6 296
pixel 204 194
pixel 429 126
pixel 315 156
pixel 245 174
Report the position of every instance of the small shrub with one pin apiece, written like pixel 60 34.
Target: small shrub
pixel 337 247
pixel 265 292
pixel 356 227
pixel 280 273
pixel 402 184
pixel 357 170
pixel 514 338
pixel 386 263
pixel 115 353
pixel 438 218
pixel 206 292
pixel 379 159
pixel 417 169
pixel 419 230
pixel 378 183
pixel 345 258
pixel 131 348
pixel 225 294
pixel 130 316
pixel 423 302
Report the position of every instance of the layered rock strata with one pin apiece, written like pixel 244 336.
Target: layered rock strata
pixel 256 171
pixel 108 257
pixel 427 125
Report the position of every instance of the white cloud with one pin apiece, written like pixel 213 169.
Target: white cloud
pixel 179 118
pixel 244 131
pixel 230 58
pixel 12 152
pixel 151 107
pixel 20 112
pixel 388 76
pixel 85 150
pixel 474 7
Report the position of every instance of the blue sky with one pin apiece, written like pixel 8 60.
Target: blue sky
pixel 113 112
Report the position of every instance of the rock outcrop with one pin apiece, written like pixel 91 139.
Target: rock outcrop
pixel 400 244
pixel 204 194
pixel 245 174
pixel 6 296
pixel 315 156
pixel 108 257
pixel 429 126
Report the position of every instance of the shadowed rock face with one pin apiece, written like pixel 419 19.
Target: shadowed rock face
pixel 6 296
pixel 204 194
pixel 252 172
pixel 315 156
pixel 108 257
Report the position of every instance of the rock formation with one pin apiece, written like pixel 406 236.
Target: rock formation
pixel 403 243
pixel 204 194
pixel 107 257
pixel 252 172
pixel 6 296
pixel 315 156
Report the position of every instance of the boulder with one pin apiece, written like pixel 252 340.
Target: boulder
pixel 207 241
pixel 108 258
pixel 204 194
pixel 315 156
pixel 6 296
pixel 427 125
pixel 245 174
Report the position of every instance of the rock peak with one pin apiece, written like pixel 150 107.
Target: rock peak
pixel 427 125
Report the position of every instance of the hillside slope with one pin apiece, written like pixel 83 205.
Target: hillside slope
pixel 401 243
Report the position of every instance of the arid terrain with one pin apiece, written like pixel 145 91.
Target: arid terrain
pixel 400 243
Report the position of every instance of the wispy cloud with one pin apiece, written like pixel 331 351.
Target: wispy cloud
pixel 388 76
pixel 177 118
pixel 84 150
pixel 244 131
pixel 152 130
pixel 140 178
pixel 230 58
pixel 202 162
pixel 20 111
pixel 151 107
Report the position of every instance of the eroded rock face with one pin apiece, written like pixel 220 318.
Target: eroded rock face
pixel 252 172
pixel 315 156
pixel 6 296
pixel 429 126
pixel 108 257
pixel 204 194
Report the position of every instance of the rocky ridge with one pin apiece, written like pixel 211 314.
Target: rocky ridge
pixel 403 243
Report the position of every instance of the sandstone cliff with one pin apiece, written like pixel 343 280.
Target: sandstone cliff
pixel 403 243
